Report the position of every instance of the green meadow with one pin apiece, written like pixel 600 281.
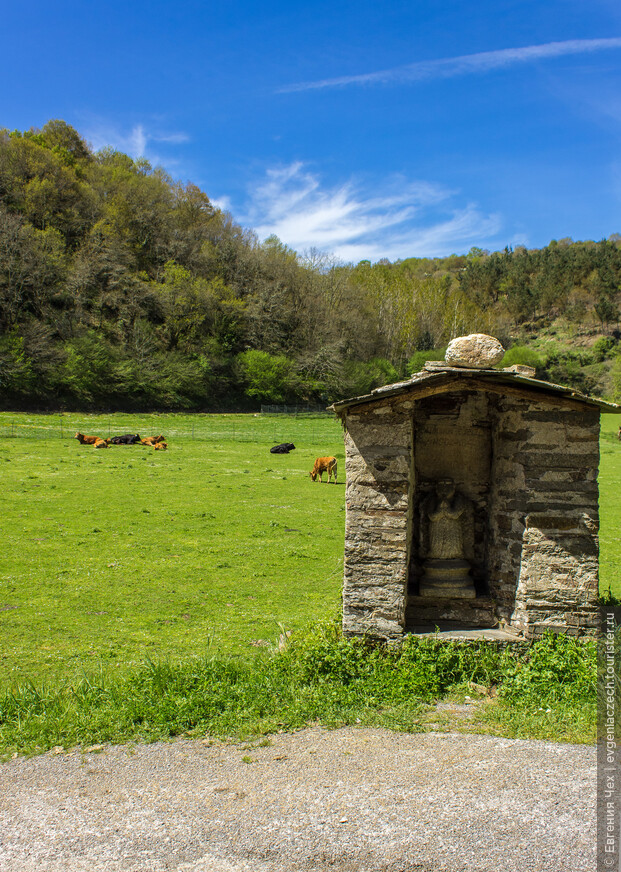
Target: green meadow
pixel 610 505
pixel 110 557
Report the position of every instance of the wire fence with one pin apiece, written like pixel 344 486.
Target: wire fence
pixel 272 428
pixel 293 410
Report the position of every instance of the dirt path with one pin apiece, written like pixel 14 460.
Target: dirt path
pixel 349 800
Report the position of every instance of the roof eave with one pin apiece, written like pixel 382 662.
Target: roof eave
pixel 452 375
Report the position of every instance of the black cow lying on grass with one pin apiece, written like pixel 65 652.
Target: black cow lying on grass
pixel 283 448
pixel 127 439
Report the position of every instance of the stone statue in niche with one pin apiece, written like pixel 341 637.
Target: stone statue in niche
pixel 447 543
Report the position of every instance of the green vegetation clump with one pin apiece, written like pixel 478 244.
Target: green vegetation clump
pixel 423 667
pixel 320 677
pixel 558 670
pixel 605 347
pixel 566 366
pixel 418 360
pixel 523 355
pixel 361 378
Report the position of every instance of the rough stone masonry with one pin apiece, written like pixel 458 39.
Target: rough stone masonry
pixel 523 453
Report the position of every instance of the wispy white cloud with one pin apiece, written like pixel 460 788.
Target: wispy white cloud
pixel 397 220
pixel 445 68
pixel 223 203
pixel 137 142
pixel 464 228
pixel 174 138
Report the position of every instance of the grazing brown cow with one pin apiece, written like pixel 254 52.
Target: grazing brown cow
pixel 86 440
pixel 152 440
pixel 324 464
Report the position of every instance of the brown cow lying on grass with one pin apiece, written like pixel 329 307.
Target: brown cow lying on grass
pixel 95 441
pixel 324 464
pixel 158 442
pixel 152 440
pixel 85 440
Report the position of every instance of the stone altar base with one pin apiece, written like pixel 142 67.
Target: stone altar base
pixel 479 612
pixel 447 578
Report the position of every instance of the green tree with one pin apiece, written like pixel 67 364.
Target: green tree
pixel 268 378
pixel 17 375
pixel 32 263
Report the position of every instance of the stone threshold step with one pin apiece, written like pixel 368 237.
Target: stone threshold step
pixel 478 602
pixel 474 633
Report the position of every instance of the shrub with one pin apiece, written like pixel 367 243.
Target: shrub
pixel 17 375
pixel 603 348
pixel 564 366
pixel 523 355
pixel 419 358
pixel 557 669
pixel 269 378
pixel 361 378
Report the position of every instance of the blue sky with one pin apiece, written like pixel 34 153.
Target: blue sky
pixel 363 129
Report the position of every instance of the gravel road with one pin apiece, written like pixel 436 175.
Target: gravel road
pixel 348 800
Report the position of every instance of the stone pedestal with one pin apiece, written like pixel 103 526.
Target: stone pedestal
pixel 447 578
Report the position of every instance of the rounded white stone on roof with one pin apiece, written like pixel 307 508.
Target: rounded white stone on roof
pixel 475 351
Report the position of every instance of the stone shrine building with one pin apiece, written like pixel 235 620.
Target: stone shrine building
pixel 472 502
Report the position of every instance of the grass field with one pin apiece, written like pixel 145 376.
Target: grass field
pixel 110 557
pixel 610 505
pixel 115 555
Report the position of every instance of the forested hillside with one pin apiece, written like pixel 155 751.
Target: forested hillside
pixel 122 288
